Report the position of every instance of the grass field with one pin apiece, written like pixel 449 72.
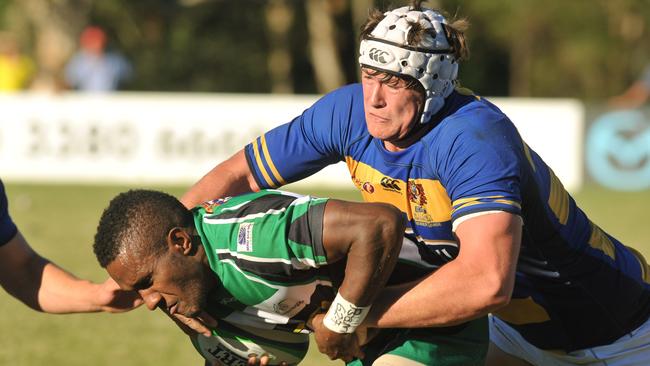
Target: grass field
pixel 60 220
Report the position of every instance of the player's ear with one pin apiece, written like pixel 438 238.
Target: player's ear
pixel 179 240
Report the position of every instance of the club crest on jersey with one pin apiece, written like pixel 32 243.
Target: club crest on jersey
pixel 245 237
pixel 210 205
pixel 415 192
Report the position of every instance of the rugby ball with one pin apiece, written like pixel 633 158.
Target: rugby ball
pixel 231 345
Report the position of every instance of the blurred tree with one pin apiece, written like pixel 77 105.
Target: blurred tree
pixel 322 42
pixel 583 48
pixel 55 26
pixel 279 18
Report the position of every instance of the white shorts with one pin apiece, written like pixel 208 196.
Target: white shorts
pixel 633 349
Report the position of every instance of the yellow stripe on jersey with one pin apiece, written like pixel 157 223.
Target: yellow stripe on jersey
pixel 523 311
pixel 508 202
pixel 600 241
pixel 471 201
pixel 528 156
pixel 260 164
pixel 645 271
pixel 558 198
pixel 267 157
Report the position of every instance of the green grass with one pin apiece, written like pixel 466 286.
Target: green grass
pixel 59 222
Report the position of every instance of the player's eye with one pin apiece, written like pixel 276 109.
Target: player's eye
pixel 143 283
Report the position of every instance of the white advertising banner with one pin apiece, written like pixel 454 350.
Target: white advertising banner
pixel 176 138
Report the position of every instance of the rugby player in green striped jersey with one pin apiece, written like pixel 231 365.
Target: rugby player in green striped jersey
pixel 269 257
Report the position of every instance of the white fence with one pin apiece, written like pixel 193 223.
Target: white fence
pixel 176 138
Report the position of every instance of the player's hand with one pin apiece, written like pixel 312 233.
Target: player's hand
pixel 254 360
pixel 111 298
pixel 342 346
pixel 201 324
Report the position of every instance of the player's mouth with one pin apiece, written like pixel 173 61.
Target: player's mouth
pixel 173 309
pixel 378 118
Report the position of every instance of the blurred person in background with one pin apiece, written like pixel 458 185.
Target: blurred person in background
pixel 16 69
pixel 636 94
pixel 44 286
pixel 94 68
pixel 508 238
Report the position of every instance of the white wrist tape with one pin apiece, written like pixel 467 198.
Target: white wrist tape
pixel 343 316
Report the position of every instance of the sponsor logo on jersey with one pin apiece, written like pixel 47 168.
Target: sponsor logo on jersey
pixel 227 300
pixel 210 205
pixel 390 184
pixel 368 187
pixel 245 237
pixel 422 217
pixel 285 306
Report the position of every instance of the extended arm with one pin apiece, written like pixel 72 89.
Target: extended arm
pixel 44 286
pixel 229 178
pixel 478 281
pixel 369 235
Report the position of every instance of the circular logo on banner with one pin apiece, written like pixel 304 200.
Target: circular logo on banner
pixel 618 150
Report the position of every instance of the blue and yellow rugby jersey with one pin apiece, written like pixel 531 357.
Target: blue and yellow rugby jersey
pixel 7 227
pixel 576 286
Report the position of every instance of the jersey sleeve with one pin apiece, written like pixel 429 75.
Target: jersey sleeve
pixel 307 144
pixel 478 158
pixel 7 227
pixel 260 242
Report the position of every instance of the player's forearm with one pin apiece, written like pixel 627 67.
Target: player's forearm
pixel 45 287
pixel 61 292
pixel 480 280
pixel 231 177
pixel 455 294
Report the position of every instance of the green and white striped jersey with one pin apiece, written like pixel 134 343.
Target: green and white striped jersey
pixel 266 248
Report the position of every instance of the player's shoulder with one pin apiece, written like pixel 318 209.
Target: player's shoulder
pixel 348 98
pixel 474 118
pixel 341 112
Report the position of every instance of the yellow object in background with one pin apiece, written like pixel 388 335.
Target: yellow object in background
pixel 15 72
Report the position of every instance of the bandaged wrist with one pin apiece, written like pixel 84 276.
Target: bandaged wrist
pixel 343 316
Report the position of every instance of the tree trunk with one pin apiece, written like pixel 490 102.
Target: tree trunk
pixel 279 18
pixel 56 25
pixel 322 44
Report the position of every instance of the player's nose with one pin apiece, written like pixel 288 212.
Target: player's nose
pixel 151 298
pixel 377 97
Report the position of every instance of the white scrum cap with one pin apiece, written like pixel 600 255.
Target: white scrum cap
pixel 431 62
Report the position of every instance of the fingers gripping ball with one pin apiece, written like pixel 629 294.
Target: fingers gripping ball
pixel 231 345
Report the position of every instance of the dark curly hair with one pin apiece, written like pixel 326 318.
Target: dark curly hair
pixel 138 221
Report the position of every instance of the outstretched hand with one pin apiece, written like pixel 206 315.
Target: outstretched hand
pixel 344 346
pixel 111 298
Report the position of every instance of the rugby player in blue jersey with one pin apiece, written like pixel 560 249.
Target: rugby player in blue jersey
pixel 46 287
pixel 507 236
